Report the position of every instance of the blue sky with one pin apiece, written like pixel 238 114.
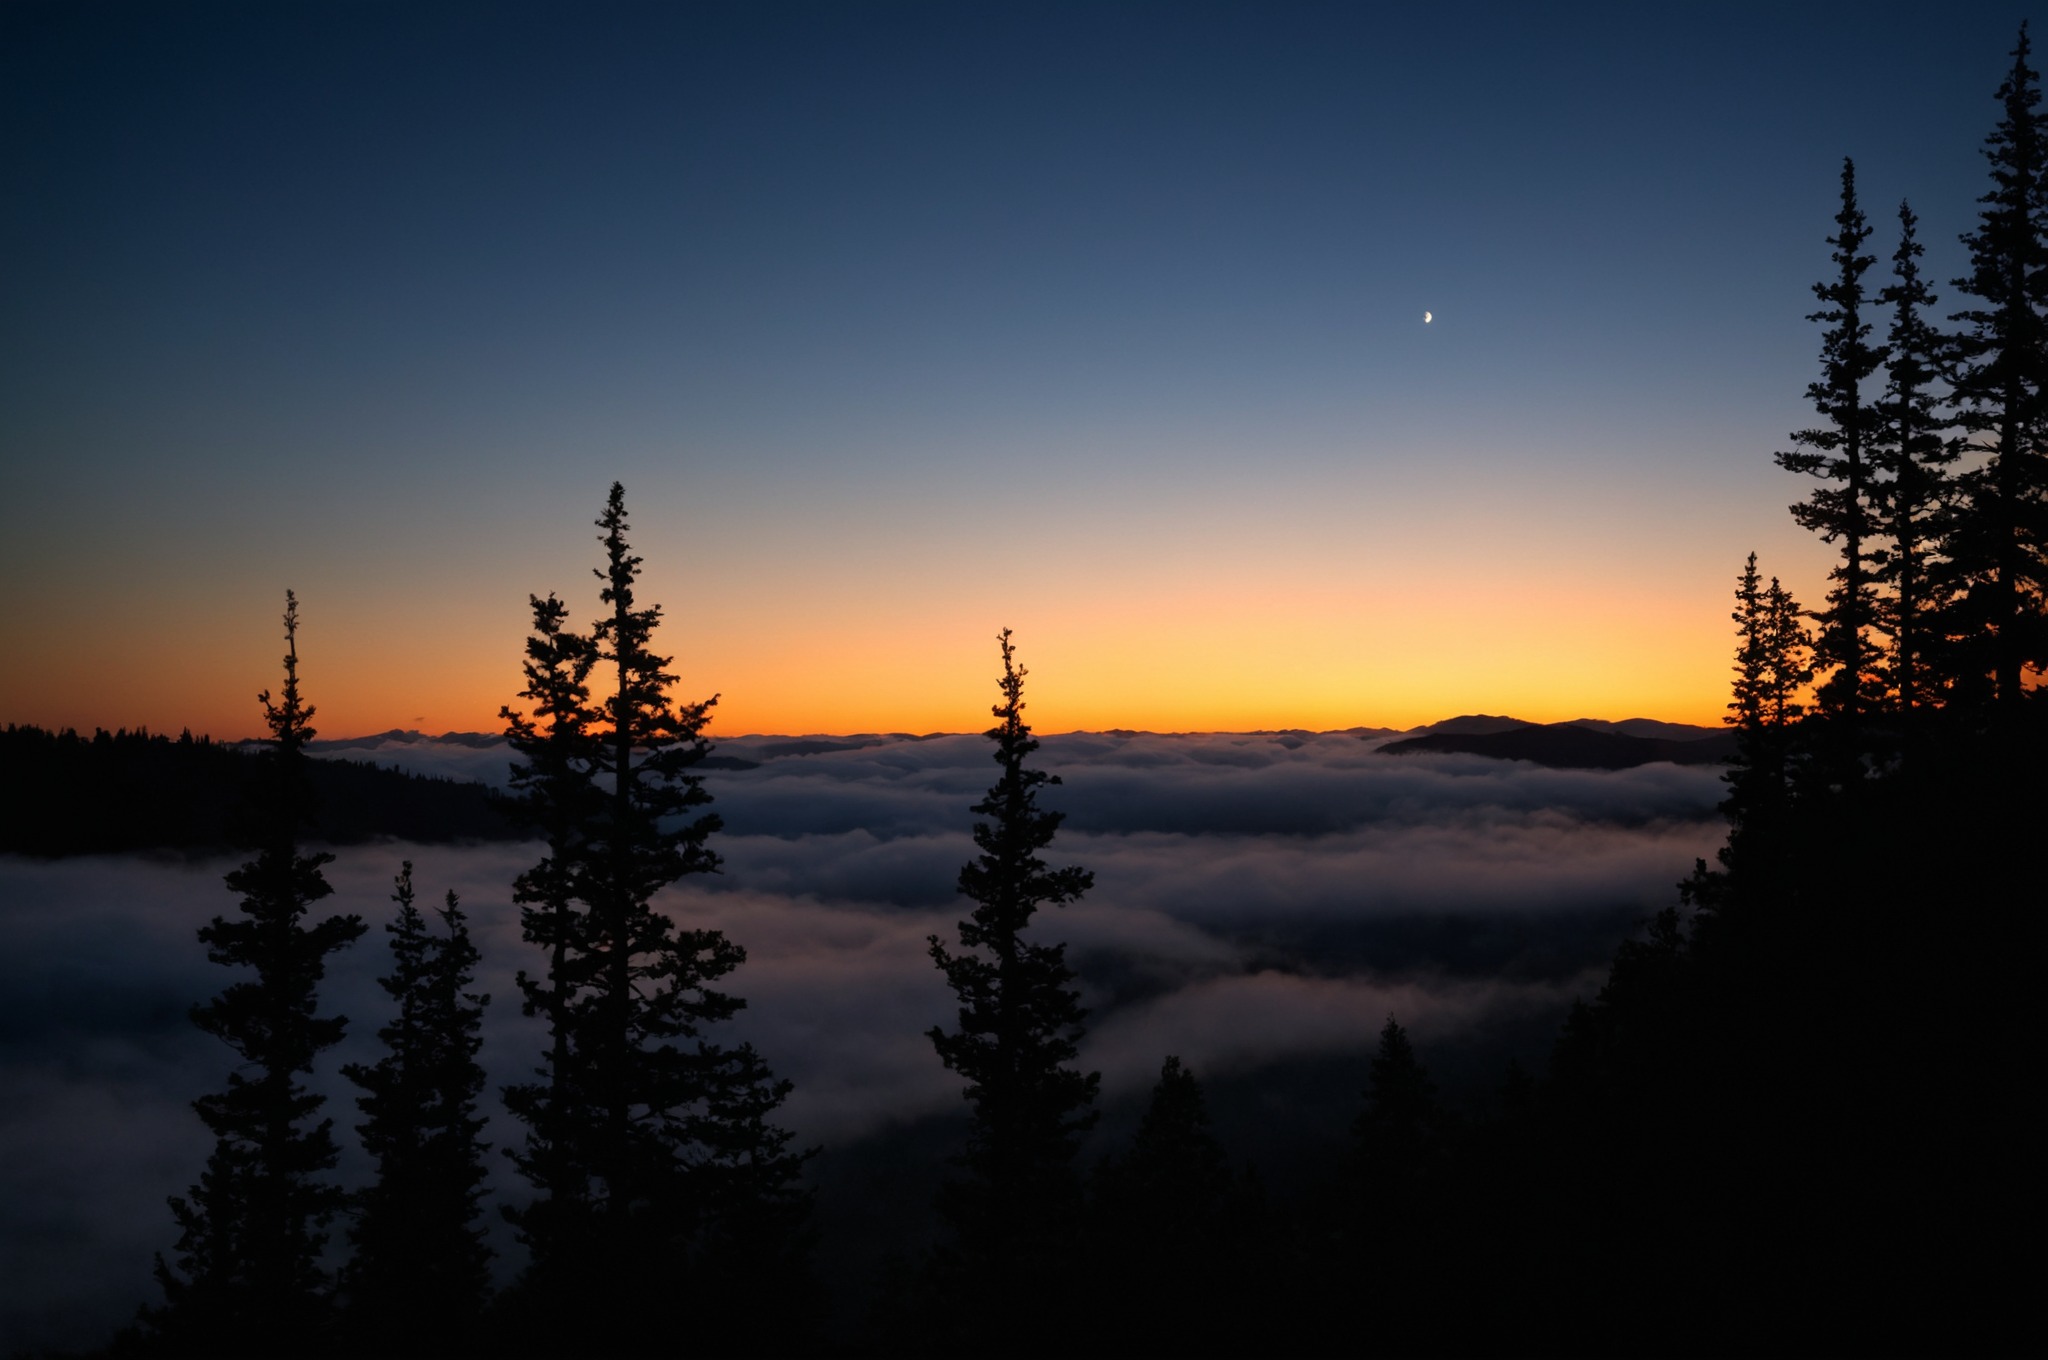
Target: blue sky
pixel 902 322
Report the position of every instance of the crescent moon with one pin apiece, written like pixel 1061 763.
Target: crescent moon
pixel 1425 318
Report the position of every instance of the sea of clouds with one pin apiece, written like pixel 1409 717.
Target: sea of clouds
pixel 1259 900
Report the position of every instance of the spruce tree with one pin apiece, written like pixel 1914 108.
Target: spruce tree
pixel 1167 1225
pixel 1773 666
pixel 1400 1132
pixel 753 1251
pixel 1999 380
pixel 1838 452
pixel 1773 656
pixel 421 1271
pixel 1015 1211
pixel 1165 1197
pixel 649 983
pixel 1912 457
pixel 639 1117
pixel 248 1278
pixel 554 794
pixel 1401 1197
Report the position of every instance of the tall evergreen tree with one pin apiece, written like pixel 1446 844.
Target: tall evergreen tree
pixel 1838 453
pixel 650 982
pixel 421 1271
pixel 1999 383
pixel 1167 1193
pixel 1912 456
pixel 1015 1211
pixel 248 1278
pixel 1166 1226
pixel 639 1117
pixel 1771 655
pixel 554 793
pixel 1399 1223
pixel 1400 1132
pixel 754 1245
pixel 1773 666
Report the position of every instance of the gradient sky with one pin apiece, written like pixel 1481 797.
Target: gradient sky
pixel 902 323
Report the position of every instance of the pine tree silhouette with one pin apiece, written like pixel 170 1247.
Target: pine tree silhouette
pixel 647 1141
pixel 754 1245
pixel 1913 458
pixel 1398 1228
pixel 1015 1211
pixel 1839 453
pixel 420 1273
pixel 1773 666
pixel 1168 1191
pixel 1401 1129
pixel 1169 1222
pixel 555 794
pixel 248 1278
pixel 1999 377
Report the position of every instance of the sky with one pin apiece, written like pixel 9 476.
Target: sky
pixel 904 323
pixel 1260 905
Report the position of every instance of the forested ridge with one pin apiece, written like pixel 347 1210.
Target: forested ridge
pixel 70 794
pixel 1804 1112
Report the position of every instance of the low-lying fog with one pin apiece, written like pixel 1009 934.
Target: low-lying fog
pixel 1260 902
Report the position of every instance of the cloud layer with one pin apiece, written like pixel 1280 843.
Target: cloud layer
pixel 1259 900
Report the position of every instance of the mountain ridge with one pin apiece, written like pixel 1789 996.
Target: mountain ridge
pixel 1576 745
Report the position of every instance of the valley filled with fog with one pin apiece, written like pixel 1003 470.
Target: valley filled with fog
pixel 1261 904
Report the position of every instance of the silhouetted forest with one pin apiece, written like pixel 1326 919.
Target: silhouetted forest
pixel 1805 1112
pixel 112 792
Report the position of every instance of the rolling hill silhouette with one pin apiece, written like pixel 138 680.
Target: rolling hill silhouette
pixel 1578 745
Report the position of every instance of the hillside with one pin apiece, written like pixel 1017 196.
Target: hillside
pixel 66 794
pixel 1571 745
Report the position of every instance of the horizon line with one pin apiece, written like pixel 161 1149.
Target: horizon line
pixel 455 733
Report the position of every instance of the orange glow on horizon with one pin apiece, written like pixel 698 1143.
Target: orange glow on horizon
pixel 1198 661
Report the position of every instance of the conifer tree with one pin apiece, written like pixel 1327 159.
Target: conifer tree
pixel 248 1279
pixel 421 1271
pixel 1167 1226
pixel 1838 453
pixel 1166 1195
pixel 1014 1212
pixel 1399 1223
pixel 555 794
pixel 640 1119
pixel 1999 379
pixel 753 1249
pixel 650 983
pixel 1773 666
pixel 1911 455
pixel 1400 1131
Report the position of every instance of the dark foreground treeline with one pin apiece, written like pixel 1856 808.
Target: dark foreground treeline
pixel 1805 1113
pixel 116 792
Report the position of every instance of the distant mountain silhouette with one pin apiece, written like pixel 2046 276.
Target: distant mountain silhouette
pixel 404 736
pixel 1471 724
pixel 1571 745
pixel 1652 728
